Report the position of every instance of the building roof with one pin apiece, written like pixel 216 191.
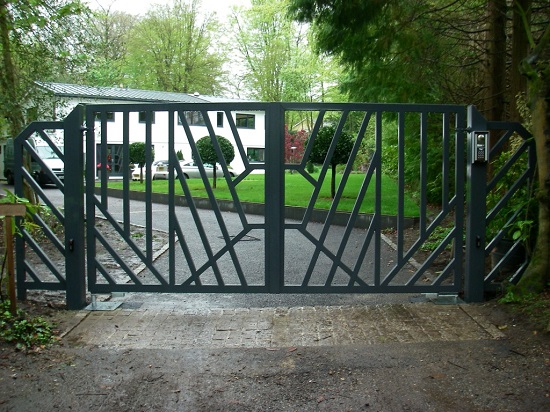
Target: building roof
pixel 123 94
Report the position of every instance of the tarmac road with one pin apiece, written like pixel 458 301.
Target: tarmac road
pixel 296 249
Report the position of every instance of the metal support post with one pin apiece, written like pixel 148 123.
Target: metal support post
pixel 476 206
pixel 274 198
pixel 74 209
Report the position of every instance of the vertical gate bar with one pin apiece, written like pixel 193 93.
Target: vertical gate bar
pixel 460 122
pixel 126 177
pixel 423 172
pixel 103 160
pixel 401 183
pixel 445 171
pixel 172 160
pixel 274 197
pixel 476 213
pixel 378 198
pixel 74 210
pixel 148 186
pixel 91 162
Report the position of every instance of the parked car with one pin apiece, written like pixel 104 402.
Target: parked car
pixel 191 170
pixel 159 170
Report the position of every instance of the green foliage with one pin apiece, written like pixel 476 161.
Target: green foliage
pixel 208 154
pixel 535 307
pixel 33 46
pixel 322 144
pixel 412 151
pixel 517 218
pixel 137 153
pixel 107 43
pixel 435 239
pixel 172 48
pixel 31 211
pixel 24 332
pixel 279 63
pixel 179 155
pixel 342 151
pixel 297 192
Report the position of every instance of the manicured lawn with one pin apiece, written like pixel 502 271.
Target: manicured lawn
pixel 298 192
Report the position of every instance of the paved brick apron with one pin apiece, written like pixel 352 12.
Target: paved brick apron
pixel 166 326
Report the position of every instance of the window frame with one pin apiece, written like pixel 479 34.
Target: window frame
pixel 245 121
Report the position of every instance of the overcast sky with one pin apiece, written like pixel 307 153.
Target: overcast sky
pixel 221 7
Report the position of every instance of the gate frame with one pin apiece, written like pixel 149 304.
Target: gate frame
pixel 74 202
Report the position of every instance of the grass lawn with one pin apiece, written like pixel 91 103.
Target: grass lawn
pixel 298 192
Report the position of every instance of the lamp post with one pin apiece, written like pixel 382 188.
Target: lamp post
pixel 292 160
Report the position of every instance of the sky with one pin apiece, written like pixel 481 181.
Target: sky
pixel 140 7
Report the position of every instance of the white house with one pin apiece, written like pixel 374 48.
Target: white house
pixel 250 124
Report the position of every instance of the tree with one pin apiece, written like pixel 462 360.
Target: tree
pixel 277 55
pixel 208 153
pixel 37 42
pixel 170 49
pixel 536 67
pixel 379 44
pixel 341 154
pixel 263 37
pixel 137 153
pixel 107 42
pixel 353 31
pixel 295 145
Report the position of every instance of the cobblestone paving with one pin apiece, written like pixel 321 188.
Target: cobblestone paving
pixel 169 327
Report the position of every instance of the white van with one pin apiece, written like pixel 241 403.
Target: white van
pixel 48 156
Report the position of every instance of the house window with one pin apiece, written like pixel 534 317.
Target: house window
pixel 245 121
pixel 255 154
pixel 193 118
pixel 219 119
pixel 110 116
pixel 143 117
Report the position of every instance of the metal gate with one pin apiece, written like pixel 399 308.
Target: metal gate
pixel 212 242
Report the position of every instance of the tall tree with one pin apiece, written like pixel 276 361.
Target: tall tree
pixel 107 42
pixel 536 68
pixel 172 49
pixel 263 35
pixel 277 55
pixel 36 43
pixel 495 60
pixel 357 21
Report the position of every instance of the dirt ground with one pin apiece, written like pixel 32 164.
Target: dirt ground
pixel 510 374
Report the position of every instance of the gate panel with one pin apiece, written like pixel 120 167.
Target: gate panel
pixel 40 247
pixel 204 250
pixel 346 259
pixel 176 244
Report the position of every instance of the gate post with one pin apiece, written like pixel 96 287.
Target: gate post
pixel 74 209
pixel 474 275
pixel 274 198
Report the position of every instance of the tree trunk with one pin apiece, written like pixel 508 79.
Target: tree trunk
pixel 8 79
pixel 537 70
pixel 496 61
pixel 214 176
pixel 520 49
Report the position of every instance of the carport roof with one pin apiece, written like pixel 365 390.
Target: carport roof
pixel 123 94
